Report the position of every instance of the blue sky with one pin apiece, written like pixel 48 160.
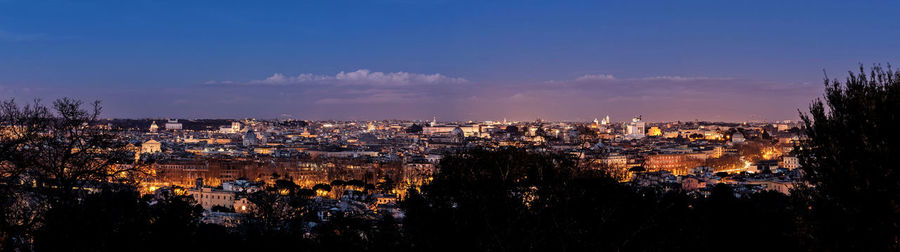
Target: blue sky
pixel 478 60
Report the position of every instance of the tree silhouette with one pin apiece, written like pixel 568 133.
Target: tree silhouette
pixel 385 185
pixel 517 200
pixel 49 158
pixel 850 158
pixel 414 129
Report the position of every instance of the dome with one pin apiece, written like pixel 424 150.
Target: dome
pixel 457 132
pixel 250 138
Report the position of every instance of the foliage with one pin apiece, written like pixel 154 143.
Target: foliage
pixel 850 158
pixel 725 162
pixel 516 200
pixel 323 187
pixel 223 209
pixel 115 219
pixel 414 129
pixel 385 185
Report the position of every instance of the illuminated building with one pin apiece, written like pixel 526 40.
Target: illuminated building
pixel 654 131
pixel 677 164
pixel 263 150
pixel 433 129
pixel 236 127
pixel 692 183
pixel 384 201
pixel 341 154
pixel 712 135
pixel 718 152
pixel 210 197
pixel 615 164
pixel 789 162
pixel 782 127
pixel 151 146
pixel 635 129
pixel 470 130
pixel 173 125
pixel 671 134
pixel 233 129
pixel 617 161
pixel 242 205
pixel 737 137
pixel 154 127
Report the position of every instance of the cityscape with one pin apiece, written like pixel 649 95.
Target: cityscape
pixel 219 164
pixel 394 125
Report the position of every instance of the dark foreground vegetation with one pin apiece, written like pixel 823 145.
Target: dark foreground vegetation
pixel 503 200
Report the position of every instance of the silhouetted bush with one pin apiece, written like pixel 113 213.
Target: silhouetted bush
pixel 850 158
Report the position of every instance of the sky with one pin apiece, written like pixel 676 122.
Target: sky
pixel 454 60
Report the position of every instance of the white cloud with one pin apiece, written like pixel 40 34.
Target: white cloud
pixel 364 75
pixel 358 77
pixel 279 78
pixel 595 77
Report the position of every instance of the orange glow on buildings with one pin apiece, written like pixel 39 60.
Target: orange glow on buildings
pixel 654 131
pixel 677 164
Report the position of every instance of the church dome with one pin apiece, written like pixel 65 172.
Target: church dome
pixel 457 132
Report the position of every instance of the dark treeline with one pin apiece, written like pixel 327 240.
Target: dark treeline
pixel 501 200
pixel 512 200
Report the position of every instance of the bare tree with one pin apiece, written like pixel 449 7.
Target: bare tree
pixel 50 156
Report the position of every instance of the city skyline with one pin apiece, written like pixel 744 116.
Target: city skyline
pixel 449 125
pixel 457 60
